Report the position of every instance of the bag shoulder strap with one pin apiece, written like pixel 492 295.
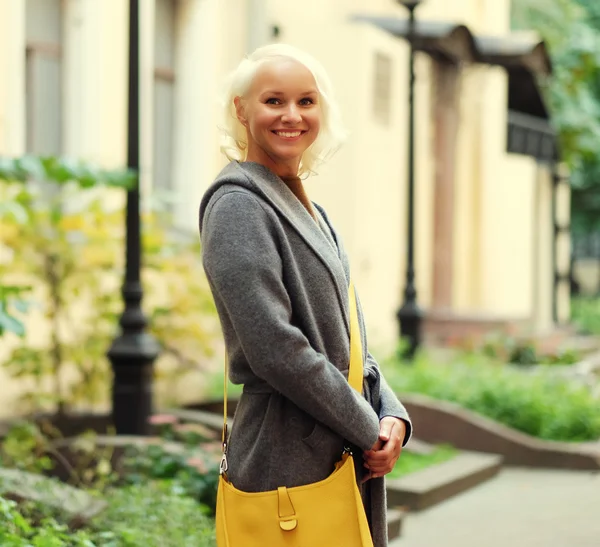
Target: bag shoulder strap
pixel 355 369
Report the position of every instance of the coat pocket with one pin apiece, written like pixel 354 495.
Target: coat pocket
pixel 319 436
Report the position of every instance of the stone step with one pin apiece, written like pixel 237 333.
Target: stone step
pixel 76 504
pixel 394 521
pixel 438 483
pixel 416 446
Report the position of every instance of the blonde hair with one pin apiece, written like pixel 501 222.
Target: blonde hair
pixel 233 134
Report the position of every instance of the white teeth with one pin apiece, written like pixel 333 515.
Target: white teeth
pixel 289 134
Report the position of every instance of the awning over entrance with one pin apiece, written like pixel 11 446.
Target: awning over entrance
pixel 447 41
pixel 524 56
pixel 455 42
pixel 528 65
pixel 517 51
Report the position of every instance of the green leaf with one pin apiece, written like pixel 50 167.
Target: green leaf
pixel 9 323
pixel 15 210
pixel 8 170
pixel 31 167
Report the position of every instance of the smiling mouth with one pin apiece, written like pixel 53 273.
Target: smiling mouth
pixel 288 134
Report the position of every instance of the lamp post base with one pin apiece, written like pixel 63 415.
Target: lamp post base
pixel 132 357
pixel 410 318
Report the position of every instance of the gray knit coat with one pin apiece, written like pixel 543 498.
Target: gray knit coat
pixel 281 290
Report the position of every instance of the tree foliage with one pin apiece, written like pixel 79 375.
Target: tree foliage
pixel 571 29
pixel 64 239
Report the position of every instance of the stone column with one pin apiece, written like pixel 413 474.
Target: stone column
pixel 12 69
pixel 446 121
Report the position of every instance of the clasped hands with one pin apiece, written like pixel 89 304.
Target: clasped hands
pixel 382 457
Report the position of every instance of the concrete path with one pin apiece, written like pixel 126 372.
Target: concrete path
pixel 519 508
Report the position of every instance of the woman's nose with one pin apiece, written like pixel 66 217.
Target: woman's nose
pixel 291 114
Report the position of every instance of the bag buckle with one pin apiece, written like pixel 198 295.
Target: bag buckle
pixel 223 466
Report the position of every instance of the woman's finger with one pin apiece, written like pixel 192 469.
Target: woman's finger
pixel 383 461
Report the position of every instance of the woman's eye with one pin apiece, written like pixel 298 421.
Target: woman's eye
pixel 273 100
pixel 306 101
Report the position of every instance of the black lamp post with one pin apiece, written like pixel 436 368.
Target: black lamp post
pixel 133 352
pixel 409 315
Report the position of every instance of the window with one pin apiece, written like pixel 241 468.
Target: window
pixel 43 79
pixel 164 93
pixel 382 93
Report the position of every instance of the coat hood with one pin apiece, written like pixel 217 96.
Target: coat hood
pixel 243 175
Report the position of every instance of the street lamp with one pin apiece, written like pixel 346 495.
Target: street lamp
pixel 409 315
pixel 133 352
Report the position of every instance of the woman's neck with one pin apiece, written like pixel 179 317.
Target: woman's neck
pixel 295 185
pixel 285 170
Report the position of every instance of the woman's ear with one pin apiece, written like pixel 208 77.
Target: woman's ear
pixel 239 111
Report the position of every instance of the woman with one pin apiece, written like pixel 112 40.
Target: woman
pixel 279 276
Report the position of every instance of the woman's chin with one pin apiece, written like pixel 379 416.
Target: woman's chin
pixel 287 156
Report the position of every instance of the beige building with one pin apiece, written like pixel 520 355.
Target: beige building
pixel 486 247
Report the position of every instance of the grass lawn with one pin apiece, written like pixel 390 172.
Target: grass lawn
pixel 409 462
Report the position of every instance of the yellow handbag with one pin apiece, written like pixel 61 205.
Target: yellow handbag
pixel 328 513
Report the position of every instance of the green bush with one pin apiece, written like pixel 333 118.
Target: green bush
pixel 166 495
pixel 194 471
pixel 540 404
pixel 62 225
pixel 507 349
pixel 155 514
pixel 22 530
pixel 585 313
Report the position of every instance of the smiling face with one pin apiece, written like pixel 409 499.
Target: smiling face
pixel 282 115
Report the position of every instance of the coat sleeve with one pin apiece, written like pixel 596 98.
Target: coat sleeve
pixel 244 268
pixel 390 404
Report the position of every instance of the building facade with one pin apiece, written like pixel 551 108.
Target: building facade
pixel 489 254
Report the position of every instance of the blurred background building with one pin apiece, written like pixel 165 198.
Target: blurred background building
pixel 492 214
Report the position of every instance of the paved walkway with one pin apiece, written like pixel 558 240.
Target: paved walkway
pixel 519 508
